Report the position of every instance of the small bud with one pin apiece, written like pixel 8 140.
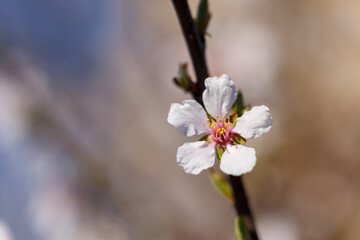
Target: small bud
pixel 222 184
pixel 183 79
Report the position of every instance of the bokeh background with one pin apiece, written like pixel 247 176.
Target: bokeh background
pixel 85 149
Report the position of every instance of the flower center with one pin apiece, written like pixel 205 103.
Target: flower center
pixel 220 130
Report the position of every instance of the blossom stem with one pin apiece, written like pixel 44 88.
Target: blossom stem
pixel 196 47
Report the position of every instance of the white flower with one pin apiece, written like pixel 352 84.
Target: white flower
pixel 224 135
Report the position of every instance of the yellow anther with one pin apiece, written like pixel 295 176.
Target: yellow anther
pixel 220 120
pixel 228 118
pixel 217 116
pixel 219 138
pixel 224 130
pixel 225 124
pixel 212 135
pixel 208 120
pixel 204 124
pixel 223 116
pixel 221 132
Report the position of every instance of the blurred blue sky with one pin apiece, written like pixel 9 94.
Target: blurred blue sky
pixel 64 36
pixel 68 39
pixel 16 184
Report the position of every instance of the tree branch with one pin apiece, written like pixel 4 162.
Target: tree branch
pixel 196 47
pixel 241 205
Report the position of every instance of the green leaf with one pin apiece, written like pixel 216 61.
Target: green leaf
pixel 183 79
pixel 236 139
pixel 238 105
pixel 219 149
pixel 221 184
pixel 203 17
pixel 240 230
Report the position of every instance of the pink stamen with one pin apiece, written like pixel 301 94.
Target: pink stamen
pixel 221 130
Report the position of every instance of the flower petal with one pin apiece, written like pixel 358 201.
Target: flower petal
pixel 237 160
pixel 196 156
pixel 219 95
pixel 188 118
pixel 254 123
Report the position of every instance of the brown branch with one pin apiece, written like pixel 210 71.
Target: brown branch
pixel 196 47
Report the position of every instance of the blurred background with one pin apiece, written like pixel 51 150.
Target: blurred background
pixel 85 149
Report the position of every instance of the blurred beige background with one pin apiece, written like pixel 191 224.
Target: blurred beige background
pixel 91 156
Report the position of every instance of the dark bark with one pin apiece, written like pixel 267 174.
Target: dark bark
pixel 242 205
pixel 195 45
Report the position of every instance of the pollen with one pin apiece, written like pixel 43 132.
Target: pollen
pixel 223 116
pixel 217 116
pixel 220 120
pixel 204 124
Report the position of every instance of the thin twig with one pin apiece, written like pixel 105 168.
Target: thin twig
pixel 242 205
pixel 195 45
pixel 196 49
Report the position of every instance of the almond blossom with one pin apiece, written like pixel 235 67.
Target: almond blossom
pixel 225 133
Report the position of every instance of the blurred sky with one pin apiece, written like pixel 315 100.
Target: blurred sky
pixel 63 37
pixel 67 40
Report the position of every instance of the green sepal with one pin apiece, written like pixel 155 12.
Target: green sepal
pixel 203 17
pixel 233 118
pixel 219 149
pixel 183 79
pixel 238 105
pixel 206 138
pixel 212 120
pixel 221 184
pixel 240 230
pixel 236 139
